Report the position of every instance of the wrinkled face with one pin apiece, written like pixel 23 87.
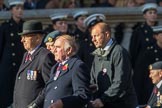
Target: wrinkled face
pixel 61 26
pixel 50 45
pixel 30 41
pixel 59 51
pixel 99 38
pixel 155 76
pixel 17 11
pixel 151 15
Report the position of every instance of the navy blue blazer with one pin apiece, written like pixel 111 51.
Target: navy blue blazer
pixel 71 86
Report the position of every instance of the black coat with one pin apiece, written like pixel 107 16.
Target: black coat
pixel 32 76
pixel 142 82
pixel 141 39
pixel 11 54
pixel 112 74
pixel 71 86
pixel 86 47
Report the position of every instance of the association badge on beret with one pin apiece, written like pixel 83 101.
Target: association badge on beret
pixel 150 67
pixel 50 39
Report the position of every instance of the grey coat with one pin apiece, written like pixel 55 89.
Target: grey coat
pixel 112 74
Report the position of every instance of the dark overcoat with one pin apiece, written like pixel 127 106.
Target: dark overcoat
pixel 86 46
pixel 32 76
pixel 71 86
pixel 11 54
pixel 141 39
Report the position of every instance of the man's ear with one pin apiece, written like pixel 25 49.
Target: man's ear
pixel 160 73
pixel 69 50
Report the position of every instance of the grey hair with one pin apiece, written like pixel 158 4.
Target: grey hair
pixel 70 42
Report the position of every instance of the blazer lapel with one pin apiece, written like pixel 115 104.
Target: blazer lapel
pixel 53 72
pixel 69 64
pixel 153 97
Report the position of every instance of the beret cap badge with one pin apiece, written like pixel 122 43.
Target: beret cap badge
pixel 50 39
pixel 150 67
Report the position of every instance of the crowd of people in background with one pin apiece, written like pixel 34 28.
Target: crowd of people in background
pixel 79 65
pixel 56 4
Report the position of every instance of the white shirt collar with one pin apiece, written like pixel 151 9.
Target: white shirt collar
pixel 109 43
pixel 31 52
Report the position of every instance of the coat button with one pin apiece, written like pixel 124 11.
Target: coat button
pixel 155 51
pixel 19 77
pixel 12 44
pixel 14 64
pixel 11 34
pixel 52 101
pixel 147 39
pixel 13 54
pixel 156 59
pixel 55 87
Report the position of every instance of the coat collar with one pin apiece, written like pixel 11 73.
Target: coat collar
pixel 106 52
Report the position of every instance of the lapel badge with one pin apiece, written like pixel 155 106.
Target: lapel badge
pixel 65 67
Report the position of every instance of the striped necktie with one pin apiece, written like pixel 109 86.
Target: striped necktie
pixel 28 57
